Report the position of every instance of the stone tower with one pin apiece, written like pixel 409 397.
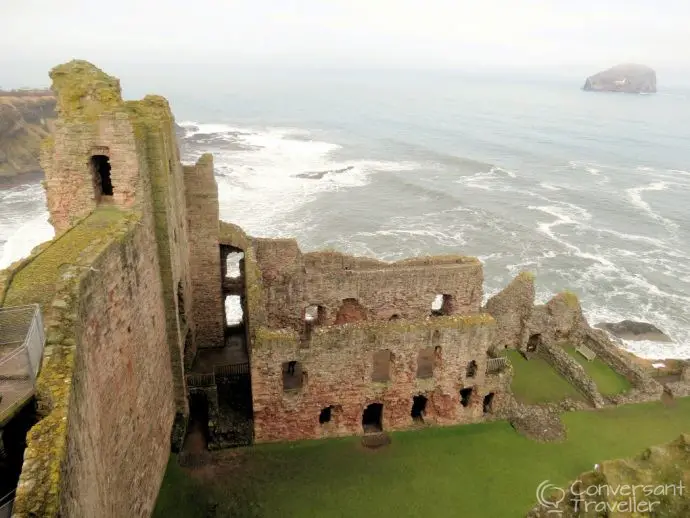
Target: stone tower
pixel 107 152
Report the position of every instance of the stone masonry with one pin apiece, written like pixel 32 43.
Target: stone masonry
pixel 113 398
pixel 202 214
pixel 330 345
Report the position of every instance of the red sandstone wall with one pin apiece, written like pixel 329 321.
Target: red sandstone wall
pixel 122 409
pixel 339 367
pixel 205 268
pixel 69 179
pixel 292 281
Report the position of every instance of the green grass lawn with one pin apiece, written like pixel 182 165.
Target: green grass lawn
pixel 535 381
pixel 608 381
pixel 482 470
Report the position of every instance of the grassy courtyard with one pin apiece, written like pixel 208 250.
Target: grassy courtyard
pixel 483 470
pixel 608 381
pixel 535 381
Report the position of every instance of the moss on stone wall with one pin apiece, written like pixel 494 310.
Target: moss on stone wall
pixel 526 276
pixel 233 235
pixel 153 126
pixel 35 282
pixel 65 262
pixel 570 299
pixel 84 91
pixel 376 330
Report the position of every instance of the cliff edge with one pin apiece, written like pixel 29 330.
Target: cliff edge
pixel 629 78
pixel 26 117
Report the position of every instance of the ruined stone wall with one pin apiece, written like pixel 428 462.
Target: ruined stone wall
pixel 560 319
pixel 337 370
pixel 572 371
pixel 205 267
pixel 511 308
pixel 139 140
pixel 65 158
pixel 645 388
pixel 158 154
pixel 293 280
pixel 121 410
pixel 112 381
pixel 90 122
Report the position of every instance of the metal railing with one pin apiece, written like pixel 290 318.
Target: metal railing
pixel 237 369
pixel 494 365
pixel 22 340
pixel 209 379
pixel 200 380
pixel 6 503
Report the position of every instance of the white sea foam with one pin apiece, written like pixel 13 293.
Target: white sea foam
pixel 25 237
pixel 496 169
pixel 635 196
pixel 23 222
pixel 549 187
pixel 265 180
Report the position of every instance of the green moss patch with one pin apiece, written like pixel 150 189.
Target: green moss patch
pixel 84 91
pixel 608 381
pixel 535 381
pixel 473 471
pixel 35 282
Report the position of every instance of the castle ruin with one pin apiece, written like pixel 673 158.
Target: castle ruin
pixel 140 352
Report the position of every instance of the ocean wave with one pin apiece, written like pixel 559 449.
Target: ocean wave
pixel 275 170
pixel 635 196
pixel 549 187
pixel 23 221
pixel 24 237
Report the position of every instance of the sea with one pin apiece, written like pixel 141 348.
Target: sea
pixel 590 191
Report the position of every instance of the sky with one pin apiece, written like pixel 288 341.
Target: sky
pixel 457 34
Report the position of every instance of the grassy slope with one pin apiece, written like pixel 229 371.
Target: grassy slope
pixel 535 381
pixel 483 470
pixel 608 381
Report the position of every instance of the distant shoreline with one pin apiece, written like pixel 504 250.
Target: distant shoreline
pixel 19 179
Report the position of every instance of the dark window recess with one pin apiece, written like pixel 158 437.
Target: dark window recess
pixel 488 403
pixel 293 376
pixel 372 418
pixel 471 369
pixel 418 408
pixel 325 415
pixel 101 169
pixel 465 395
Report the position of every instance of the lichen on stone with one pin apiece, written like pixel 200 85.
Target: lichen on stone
pixel 84 91
pixel 570 298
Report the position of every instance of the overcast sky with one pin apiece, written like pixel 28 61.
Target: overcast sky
pixel 590 34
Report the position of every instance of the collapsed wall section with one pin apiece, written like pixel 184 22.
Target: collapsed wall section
pixel 343 371
pixel 294 281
